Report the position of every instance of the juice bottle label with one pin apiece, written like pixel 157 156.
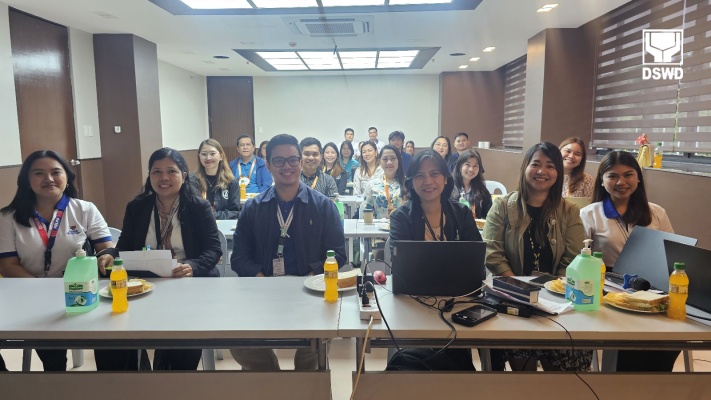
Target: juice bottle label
pixel 678 289
pixel 330 274
pixel 580 291
pixel 80 294
pixel 119 284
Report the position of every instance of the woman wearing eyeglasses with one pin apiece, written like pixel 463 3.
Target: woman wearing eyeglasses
pixel 214 181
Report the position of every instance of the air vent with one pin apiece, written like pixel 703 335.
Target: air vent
pixel 331 27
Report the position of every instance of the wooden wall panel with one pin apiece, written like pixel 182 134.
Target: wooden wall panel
pixel 92 180
pixel 40 55
pixel 8 181
pixel 230 103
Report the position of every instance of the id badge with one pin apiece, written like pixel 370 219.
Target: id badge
pixel 278 268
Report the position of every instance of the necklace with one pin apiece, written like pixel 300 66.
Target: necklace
pixel 536 255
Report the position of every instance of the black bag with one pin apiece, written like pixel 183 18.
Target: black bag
pixel 422 359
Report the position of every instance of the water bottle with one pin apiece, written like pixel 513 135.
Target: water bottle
pixel 341 209
pixel 119 287
pixel 330 277
pixel 678 292
pixel 81 280
pixel 657 163
pixel 583 280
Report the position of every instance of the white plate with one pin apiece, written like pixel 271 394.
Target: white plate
pixel 106 292
pixel 315 282
pixel 549 286
pixel 633 310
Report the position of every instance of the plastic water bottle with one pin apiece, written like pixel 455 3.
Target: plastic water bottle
pixel 603 270
pixel 657 163
pixel 583 280
pixel 81 279
pixel 678 292
pixel 330 277
pixel 119 287
pixel 341 209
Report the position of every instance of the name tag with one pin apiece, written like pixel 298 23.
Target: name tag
pixel 278 268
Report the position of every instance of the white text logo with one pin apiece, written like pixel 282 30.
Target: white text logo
pixel 660 47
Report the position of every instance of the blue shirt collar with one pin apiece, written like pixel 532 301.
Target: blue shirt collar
pixel 251 160
pixel 609 208
pixel 61 205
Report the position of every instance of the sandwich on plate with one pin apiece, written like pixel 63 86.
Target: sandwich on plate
pixel 639 301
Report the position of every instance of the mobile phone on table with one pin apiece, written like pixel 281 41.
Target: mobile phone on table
pixel 473 315
pixel 542 279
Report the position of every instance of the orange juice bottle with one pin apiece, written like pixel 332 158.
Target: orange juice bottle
pixel 119 287
pixel 330 277
pixel 598 254
pixel 678 292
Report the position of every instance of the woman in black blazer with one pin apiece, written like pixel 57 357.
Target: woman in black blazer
pixel 167 215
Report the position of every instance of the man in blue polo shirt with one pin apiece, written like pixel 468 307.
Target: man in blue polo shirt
pixel 285 230
pixel 249 167
pixel 397 139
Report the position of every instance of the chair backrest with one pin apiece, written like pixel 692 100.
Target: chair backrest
pixel 491 186
pixel 115 234
pixel 223 245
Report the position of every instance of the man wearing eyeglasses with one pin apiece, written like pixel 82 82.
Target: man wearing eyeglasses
pixel 249 168
pixel 285 230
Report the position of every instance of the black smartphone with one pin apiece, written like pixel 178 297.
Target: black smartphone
pixel 543 278
pixel 473 315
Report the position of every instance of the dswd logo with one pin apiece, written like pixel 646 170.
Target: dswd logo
pixel 660 47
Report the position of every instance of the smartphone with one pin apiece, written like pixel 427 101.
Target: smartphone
pixel 543 278
pixel 473 315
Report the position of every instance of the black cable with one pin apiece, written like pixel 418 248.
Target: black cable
pixel 572 346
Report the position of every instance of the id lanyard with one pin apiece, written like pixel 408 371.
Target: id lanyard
pixel 313 185
pixel 283 227
pixel 49 240
pixel 441 228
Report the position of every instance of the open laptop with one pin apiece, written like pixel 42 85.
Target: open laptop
pixel 437 268
pixel 698 268
pixel 644 255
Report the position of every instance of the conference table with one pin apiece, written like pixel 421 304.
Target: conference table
pixel 197 313
pixel 358 229
pixel 227 227
pixel 351 203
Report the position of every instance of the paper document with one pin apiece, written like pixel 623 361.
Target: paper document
pixel 548 306
pixel 159 262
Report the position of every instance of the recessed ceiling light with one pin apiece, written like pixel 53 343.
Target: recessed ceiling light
pixel 489 49
pixel 106 15
pixel 547 7
pixel 474 59
pixel 403 2
pixel 456 54
pixel 220 57
pixel 285 3
pixel 351 3
pixel 463 66
pixel 216 4
pixel 327 60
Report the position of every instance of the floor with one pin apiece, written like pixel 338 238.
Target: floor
pixel 341 360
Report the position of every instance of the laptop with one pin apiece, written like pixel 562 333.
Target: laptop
pixel 698 268
pixel 421 268
pixel 581 202
pixel 644 255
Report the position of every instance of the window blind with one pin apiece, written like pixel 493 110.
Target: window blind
pixel 514 101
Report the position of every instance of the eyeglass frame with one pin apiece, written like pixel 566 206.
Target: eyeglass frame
pixel 284 160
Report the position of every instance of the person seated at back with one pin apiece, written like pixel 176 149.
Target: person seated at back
pixel 214 181
pixel 461 144
pixel 311 168
pixel 383 197
pixel 469 184
pixel 397 139
pixel 332 166
pixel 248 168
pixel 285 231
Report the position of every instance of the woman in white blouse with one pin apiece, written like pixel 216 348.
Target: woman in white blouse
pixel 619 204
pixel 369 169
pixel 384 195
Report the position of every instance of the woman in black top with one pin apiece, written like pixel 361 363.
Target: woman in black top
pixel 214 181
pixel 469 183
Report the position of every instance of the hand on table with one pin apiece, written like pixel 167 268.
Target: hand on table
pixel 183 271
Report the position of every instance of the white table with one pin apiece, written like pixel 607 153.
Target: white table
pixel 350 232
pixel 351 203
pixel 227 227
pixel 357 229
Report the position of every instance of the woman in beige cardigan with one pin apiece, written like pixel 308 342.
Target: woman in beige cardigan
pixel 534 229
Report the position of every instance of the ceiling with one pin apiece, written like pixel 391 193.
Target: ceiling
pixel 190 42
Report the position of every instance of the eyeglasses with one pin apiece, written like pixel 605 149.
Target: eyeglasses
pixel 280 161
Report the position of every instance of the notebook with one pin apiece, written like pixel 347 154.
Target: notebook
pixel 644 255
pixel 698 268
pixel 437 268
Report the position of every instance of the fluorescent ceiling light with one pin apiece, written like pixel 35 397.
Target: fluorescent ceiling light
pixel 277 54
pixel 474 59
pixel 489 49
pixel 345 60
pixel 399 53
pixel 463 66
pixel 301 67
pixel 547 7
pixel 402 2
pixel 388 64
pixel 284 3
pixel 357 54
pixel 351 3
pixel 216 4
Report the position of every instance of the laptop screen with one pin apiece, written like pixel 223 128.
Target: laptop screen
pixel 422 268
pixel 698 268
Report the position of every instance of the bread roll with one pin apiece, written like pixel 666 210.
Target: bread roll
pixel 347 279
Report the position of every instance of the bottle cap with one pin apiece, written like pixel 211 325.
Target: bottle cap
pixel 586 247
pixel 330 253
pixel 80 253
pixel 679 265
pixel 597 254
pixel 118 261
